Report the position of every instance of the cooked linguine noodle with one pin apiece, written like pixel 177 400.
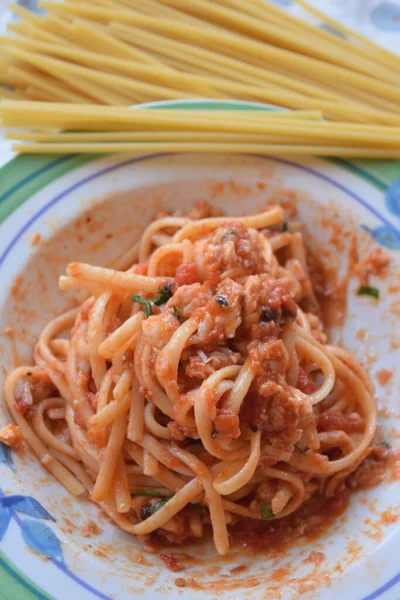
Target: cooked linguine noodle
pixel 196 386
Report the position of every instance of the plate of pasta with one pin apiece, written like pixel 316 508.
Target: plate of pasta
pixel 200 394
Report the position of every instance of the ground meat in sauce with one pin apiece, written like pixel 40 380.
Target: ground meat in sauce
pixel 188 298
pixel 304 383
pixel 265 302
pixel 198 368
pixel 201 366
pixel 160 328
pixel 267 357
pixel 180 432
pixel 232 246
pixel 186 274
pixel 221 316
pixel 268 405
pixel 272 412
pixel 227 423
pixel 12 436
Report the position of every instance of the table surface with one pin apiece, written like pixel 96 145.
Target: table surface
pixel 377 19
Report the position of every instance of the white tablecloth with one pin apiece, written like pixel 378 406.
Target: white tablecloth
pixel 377 19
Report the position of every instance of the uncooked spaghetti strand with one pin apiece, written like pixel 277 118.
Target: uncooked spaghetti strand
pixel 203 84
pixel 155 137
pixel 55 88
pixel 60 68
pixel 234 43
pixel 371 52
pixel 277 149
pixel 201 60
pixel 93 33
pixel 151 73
pixel 245 24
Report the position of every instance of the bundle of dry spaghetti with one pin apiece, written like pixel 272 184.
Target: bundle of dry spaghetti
pixel 123 52
pixel 95 129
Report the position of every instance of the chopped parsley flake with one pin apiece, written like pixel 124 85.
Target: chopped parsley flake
pixel 146 303
pixel 165 293
pixel 154 493
pixel 367 290
pixel 279 227
pixel 229 233
pixel 265 511
pixel 158 505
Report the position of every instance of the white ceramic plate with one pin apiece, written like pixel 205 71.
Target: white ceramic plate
pixel 42 551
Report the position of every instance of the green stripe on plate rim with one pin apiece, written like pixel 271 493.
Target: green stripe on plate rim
pixel 15 585
pixel 26 174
